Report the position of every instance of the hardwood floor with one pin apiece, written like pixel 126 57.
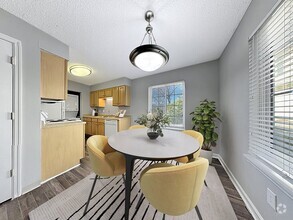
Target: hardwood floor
pixel 236 201
pixel 19 208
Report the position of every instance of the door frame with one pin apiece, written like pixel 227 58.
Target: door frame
pixel 17 109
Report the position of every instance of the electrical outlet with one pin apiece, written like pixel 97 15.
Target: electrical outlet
pixel 271 198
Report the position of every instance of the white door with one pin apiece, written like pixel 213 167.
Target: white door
pixel 5 119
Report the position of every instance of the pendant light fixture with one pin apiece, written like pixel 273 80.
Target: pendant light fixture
pixel 149 57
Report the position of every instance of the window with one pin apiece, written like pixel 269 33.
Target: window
pixel 271 90
pixel 171 99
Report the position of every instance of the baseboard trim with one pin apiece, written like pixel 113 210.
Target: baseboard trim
pixel 249 204
pixel 29 188
pixel 60 174
pixel 37 184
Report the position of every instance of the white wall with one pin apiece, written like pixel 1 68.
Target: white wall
pixel 233 67
pixel 32 41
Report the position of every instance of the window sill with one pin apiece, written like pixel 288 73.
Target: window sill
pixel 174 129
pixel 283 182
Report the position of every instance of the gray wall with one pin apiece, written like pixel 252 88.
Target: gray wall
pixel 233 67
pixel 201 82
pixel 112 83
pixel 84 96
pixel 32 40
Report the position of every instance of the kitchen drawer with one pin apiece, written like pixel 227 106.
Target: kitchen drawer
pixel 87 119
pixel 95 120
pixel 101 120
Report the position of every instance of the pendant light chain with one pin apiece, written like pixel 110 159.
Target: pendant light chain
pixel 149 32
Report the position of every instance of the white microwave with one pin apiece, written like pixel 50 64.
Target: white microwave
pixel 54 109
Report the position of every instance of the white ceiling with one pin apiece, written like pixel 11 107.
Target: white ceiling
pixel 102 33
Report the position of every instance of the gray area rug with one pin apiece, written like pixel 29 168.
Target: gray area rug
pixel 108 201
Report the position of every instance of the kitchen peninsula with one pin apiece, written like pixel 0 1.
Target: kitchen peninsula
pixel 62 147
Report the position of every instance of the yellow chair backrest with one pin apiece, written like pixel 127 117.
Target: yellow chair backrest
pixel 97 147
pixel 199 137
pixel 174 190
pixel 136 127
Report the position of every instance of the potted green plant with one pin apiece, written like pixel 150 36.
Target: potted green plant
pixel 204 118
pixel 154 122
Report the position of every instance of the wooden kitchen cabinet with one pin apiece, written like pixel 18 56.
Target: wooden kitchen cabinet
pixel 53 76
pixel 108 92
pixel 101 93
pixel 93 98
pixel 95 101
pixel 121 96
pixel 101 127
pixel 62 148
pixel 115 93
pixel 94 126
pixel 88 125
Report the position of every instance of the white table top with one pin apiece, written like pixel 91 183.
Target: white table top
pixel 135 142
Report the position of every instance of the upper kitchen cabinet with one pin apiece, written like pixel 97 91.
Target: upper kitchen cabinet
pixel 101 93
pixel 93 99
pixel 105 93
pixel 53 76
pixel 108 92
pixel 121 96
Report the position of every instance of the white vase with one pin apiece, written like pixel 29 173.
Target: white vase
pixel 208 154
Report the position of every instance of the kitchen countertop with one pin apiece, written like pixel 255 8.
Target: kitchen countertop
pixel 61 123
pixel 106 117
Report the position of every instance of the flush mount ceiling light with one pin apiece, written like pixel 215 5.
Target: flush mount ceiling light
pixel 79 70
pixel 149 57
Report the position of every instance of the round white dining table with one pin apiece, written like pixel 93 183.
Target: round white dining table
pixel 135 144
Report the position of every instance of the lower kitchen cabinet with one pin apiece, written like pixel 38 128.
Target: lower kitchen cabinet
pixel 101 127
pixel 88 125
pixel 62 148
pixel 94 126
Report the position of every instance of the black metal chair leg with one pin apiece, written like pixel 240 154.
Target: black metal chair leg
pixel 139 201
pixel 123 178
pixel 198 213
pixel 92 190
pixel 164 217
pixel 177 163
pixel 205 183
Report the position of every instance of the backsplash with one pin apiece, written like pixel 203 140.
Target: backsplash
pixel 109 109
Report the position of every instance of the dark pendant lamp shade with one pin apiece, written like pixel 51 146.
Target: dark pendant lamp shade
pixel 149 57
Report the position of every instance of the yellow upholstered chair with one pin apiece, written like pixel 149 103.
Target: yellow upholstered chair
pixel 199 137
pixel 174 190
pixel 105 161
pixel 136 127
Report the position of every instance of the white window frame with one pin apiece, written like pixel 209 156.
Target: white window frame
pixel 164 85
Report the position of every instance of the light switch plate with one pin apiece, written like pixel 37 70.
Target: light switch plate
pixel 271 198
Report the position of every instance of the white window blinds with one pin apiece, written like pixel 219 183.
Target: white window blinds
pixel 271 90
